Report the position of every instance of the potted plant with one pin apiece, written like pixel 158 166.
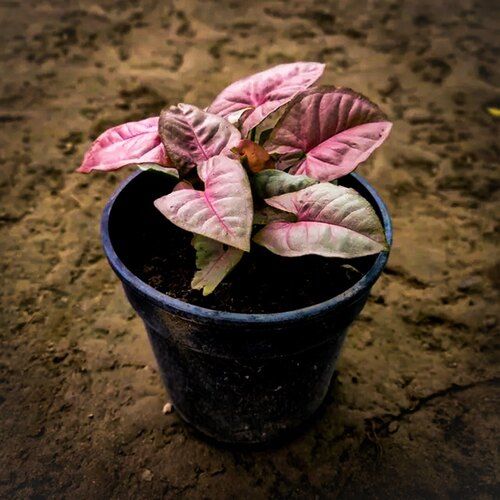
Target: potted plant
pixel 258 192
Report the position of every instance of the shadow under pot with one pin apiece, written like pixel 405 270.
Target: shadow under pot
pixel 236 377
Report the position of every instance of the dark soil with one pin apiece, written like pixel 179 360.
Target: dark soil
pixel 261 283
pixel 161 255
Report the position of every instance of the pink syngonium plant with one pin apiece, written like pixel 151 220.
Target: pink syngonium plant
pixel 263 157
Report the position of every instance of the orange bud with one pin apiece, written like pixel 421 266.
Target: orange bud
pixel 253 156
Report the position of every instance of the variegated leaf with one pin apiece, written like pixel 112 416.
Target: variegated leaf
pixel 129 143
pixel 266 91
pixel 269 183
pixel 192 135
pixel 330 131
pixel 213 261
pixel 332 221
pixel 223 211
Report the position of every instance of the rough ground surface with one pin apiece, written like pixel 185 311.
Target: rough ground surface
pixel 413 412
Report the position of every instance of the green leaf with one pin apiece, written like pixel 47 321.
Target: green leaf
pixel 263 130
pixel 159 168
pixel 264 136
pixel 267 214
pixel 269 183
pixel 214 261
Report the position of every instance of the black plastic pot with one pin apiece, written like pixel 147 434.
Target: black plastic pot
pixel 238 378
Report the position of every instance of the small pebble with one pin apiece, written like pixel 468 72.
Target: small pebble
pixel 168 408
pixel 418 115
pixel 147 475
pixel 393 427
pixel 387 87
pixel 490 322
pixel 471 284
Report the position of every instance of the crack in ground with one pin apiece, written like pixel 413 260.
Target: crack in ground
pixel 378 426
pixel 386 419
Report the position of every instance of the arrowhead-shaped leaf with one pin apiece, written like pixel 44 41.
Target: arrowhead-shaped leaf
pixel 214 263
pixel 269 183
pixel 266 91
pixel 334 130
pixel 132 142
pixel 223 212
pixel 332 221
pixel 192 135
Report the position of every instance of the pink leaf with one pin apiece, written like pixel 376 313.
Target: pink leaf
pixel 265 92
pixel 132 142
pixel 222 212
pixel 332 221
pixel 332 129
pixel 192 135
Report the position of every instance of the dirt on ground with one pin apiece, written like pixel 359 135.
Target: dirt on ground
pixel 413 412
